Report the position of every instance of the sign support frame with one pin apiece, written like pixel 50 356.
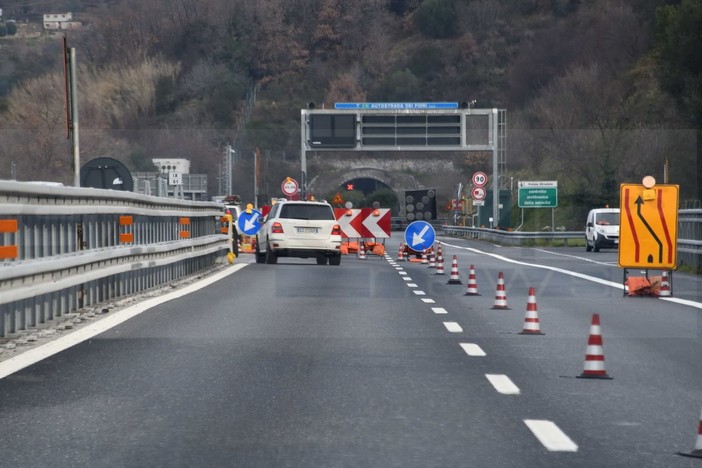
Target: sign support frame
pixel 496 139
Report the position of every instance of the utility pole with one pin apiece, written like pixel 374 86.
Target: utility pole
pixel 72 107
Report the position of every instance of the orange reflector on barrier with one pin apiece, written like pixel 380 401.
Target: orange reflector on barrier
pixel 184 234
pixel 8 225
pixel 126 220
pixel 126 238
pixel 184 221
pixel 9 251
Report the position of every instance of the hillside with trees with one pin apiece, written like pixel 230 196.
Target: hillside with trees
pixel 597 92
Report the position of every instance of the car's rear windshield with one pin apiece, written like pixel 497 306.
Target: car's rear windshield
pixel 314 212
pixel 607 219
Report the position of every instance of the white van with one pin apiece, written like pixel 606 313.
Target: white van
pixel 602 229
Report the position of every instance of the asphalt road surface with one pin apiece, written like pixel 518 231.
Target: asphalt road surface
pixel 376 363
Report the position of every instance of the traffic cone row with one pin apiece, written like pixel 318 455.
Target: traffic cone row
pixel 500 294
pixel 594 355
pixel 472 283
pixel 697 451
pixel 531 319
pixel 361 251
pixel 440 265
pixel 401 254
pixel 454 278
pixel 665 285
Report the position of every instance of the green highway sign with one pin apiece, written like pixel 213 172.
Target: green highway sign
pixel 538 194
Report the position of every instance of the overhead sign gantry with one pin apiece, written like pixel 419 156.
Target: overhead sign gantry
pixel 405 126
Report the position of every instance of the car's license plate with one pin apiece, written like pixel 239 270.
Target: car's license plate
pixel 307 230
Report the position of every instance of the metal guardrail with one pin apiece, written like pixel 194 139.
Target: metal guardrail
pixel 67 248
pixel 689 244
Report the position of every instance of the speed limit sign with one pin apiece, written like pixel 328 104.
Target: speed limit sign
pixel 479 179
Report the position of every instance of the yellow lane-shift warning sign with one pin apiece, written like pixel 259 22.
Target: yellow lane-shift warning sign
pixel 648 225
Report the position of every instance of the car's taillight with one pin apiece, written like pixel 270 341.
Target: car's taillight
pixel 277 228
pixel 336 230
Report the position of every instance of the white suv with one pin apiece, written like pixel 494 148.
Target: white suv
pixel 299 229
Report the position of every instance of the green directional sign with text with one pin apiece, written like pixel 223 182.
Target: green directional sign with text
pixel 538 194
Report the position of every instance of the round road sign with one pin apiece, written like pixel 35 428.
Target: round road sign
pixel 478 193
pixel 479 179
pixel 289 186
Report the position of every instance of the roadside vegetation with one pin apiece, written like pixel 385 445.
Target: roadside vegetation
pixel 597 93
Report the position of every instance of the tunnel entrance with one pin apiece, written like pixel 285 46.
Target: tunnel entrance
pixel 366 185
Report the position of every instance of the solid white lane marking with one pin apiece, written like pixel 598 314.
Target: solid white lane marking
pixel 439 310
pixel 407 278
pixel 419 293
pixel 473 349
pixel 551 436
pixel 453 327
pixel 503 384
pixel 34 355
pixel 428 301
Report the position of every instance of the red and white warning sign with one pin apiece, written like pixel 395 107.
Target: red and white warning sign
pixel 364 222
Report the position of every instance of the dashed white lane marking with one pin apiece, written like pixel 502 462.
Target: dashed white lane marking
pixel 503 384
pixel 407 278
pixel 411 285
pixel 473 349
pixel 551 436
pixel 428 301
pixel 32 356
pixel 439 310
pixel 453 327
pixel 403 272
pixel 419 293
pixel 399 268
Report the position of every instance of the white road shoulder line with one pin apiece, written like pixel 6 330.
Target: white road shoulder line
pixel 439 310
pixel 551 436
pixel 472 349
pixel 453 327
pixel 503 384
pixel 34 355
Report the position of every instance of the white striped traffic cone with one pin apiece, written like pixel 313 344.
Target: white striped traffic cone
pixel 440 266
pixel 439 254
pixel 361 251
pixel 454 278
pixel 697 451
pixel 594 355
pixel 665 285
pixel 424 257
pixel 500 294
pixel 531 319
pixel 432 259
pixel 472 283
pixel 401 253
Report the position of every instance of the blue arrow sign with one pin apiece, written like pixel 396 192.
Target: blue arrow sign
pixel 249 223
pixel 420 235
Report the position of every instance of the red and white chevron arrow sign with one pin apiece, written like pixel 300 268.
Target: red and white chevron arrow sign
pixel 364 222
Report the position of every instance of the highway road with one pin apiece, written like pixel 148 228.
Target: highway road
pixel 375 363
